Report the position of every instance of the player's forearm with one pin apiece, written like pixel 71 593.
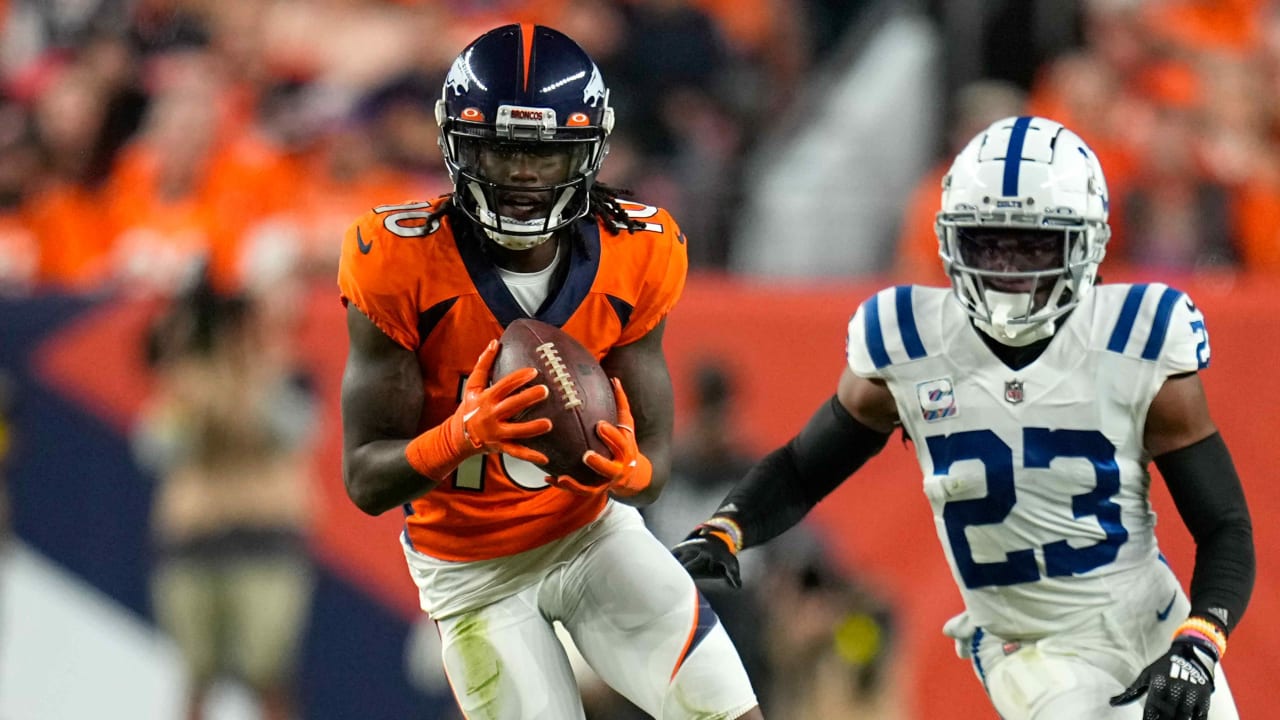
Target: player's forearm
pixel 378 476
pixel 1203 483
pixel 1224 574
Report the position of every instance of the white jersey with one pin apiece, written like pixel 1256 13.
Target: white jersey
pixel 1037 477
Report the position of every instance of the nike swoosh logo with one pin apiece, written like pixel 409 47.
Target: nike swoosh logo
pixel 1163 615
pixel 360 243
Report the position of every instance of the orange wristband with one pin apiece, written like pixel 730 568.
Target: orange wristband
pixel 1206 629
pixel 435 453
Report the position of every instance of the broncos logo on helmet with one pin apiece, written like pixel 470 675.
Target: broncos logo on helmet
pixel 459 78
pixel 595 94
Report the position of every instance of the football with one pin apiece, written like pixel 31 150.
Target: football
pixel 581 394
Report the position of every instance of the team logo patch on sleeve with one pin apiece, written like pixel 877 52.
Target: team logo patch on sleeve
pixel 937 399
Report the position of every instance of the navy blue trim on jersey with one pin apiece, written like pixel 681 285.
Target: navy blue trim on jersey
pixel 1160 326
pixel 1128 314
pixel 875 336
pixel 622 309
pixel 484 275
pixel 583 265
pixel 429 318
pixel 907 322
pixel 1013 155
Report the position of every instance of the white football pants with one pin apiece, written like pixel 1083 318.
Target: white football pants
pixel 633 613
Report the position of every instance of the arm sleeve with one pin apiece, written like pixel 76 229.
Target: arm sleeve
pixel 780 489
pixel 1206 490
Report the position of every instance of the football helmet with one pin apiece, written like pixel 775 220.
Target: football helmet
pixel 1023 226
pixel 523 90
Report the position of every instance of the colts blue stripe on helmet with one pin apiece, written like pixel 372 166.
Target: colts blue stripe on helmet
pixel 875 336
pixel 1013 155
pixel 1160 327
pixel 1128 314
pixel 907 322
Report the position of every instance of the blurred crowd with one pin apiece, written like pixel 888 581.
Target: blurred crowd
pixel 141 139
pixel 1179 98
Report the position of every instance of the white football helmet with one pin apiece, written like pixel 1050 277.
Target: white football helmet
pixel 1020 181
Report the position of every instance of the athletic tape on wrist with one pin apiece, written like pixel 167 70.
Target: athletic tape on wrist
pixel 729 527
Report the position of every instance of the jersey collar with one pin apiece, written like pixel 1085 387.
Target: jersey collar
pixel 584 263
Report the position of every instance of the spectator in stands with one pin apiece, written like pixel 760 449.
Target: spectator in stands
pixel 1176 217
pixel 67 205
pixel 19 164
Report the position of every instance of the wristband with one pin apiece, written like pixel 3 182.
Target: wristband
pixel 728 529
pixel 434 453
pixel 1199 627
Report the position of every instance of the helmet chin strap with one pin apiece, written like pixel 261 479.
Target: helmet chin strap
pixel 517 242
pixel 1015 334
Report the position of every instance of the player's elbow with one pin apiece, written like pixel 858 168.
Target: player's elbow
pixel 360 498
pixel 362 494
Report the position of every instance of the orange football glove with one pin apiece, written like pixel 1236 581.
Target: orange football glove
pixel 628 472
pixel 481 424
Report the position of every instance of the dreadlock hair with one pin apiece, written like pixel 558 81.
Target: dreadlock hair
pixel 602 205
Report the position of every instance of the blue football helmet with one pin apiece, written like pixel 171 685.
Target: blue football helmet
pixel 523 89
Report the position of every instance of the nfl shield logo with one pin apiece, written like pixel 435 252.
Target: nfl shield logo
pixel 1013 391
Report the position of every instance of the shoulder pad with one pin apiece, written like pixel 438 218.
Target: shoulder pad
pixel 1159 324
pixel 884 331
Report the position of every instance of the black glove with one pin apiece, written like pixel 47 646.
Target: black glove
pixel 706 555
pixel 1179 683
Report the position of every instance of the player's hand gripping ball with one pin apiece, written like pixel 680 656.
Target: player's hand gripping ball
pixel 581 395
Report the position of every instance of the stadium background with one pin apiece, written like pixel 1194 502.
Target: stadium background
pixel 796 155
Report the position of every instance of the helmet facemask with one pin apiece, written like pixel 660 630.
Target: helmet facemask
pixel 527 135
pixel 1016 282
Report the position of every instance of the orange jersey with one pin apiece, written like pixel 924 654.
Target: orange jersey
pixel 442 298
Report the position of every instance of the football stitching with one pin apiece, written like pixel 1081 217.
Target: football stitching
pixel 560 374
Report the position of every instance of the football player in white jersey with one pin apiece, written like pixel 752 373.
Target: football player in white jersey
pixel 1036 399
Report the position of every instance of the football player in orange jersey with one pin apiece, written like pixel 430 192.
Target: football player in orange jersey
pixel 500 551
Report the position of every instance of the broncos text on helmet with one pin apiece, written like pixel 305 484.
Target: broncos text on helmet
pixel 530 91
pixel 1023 226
